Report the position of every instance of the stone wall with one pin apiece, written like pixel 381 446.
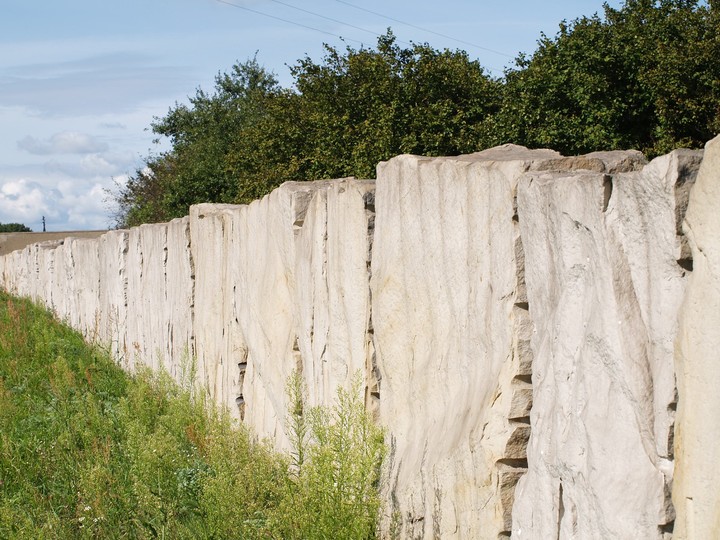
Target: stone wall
pixel 514 313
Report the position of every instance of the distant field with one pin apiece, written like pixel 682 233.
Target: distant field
pixel 13 241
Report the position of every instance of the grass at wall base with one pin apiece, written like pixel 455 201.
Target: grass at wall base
pixel 87 451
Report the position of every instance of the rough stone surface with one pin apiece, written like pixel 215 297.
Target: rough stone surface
pixel 293 271
pixel 697 475
pixel 156 268
pixel 513 313
pixel 113 249
pixel 302 295
pixel 83 271
pixel 450 326
pixel 332 264
pixel 146 308
pixel 214 242
pixel 604 287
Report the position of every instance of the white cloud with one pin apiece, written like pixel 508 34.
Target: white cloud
pixel 24 201
pixel 87 210
pixel 107 83
pixel 93 166
pixel 113 125
pixel 96 164
pixel 66 204
pixel 65 142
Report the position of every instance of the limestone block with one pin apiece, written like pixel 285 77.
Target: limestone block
pixel 147 324
pixel 612 162
pixel 268 315
pixel 59 292
pixel 83 285
pixel 159 297
pixel 697 436
pixel 179 338
pixel 33 256
pixel 332 295
pixel 219 346
pixel 4 272
pixel 113 250
pixel 294 266
pixel 450 318
pixel 21 281
pixel 265 303
pixel 603 287
pixel 45 263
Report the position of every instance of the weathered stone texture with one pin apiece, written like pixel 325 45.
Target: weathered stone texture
pixel 449 322
pixel 697 475
pixel 281 285
pixel 604 286
pixel 513 313
pixel 332 260
pixel 302 295
pixel 112 253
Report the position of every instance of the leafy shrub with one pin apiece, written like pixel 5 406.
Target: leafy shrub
pixel 14 227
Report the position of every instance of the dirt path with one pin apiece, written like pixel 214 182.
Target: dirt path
pixel 12 241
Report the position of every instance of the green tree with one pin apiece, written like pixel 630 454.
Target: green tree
pixel 142 198
pixel 204 134
pixel 367 105
pixel 200 166
pixel 14 227
pixel 644 76
pixel 344 115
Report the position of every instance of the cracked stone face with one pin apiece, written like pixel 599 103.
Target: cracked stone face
pixel 514 313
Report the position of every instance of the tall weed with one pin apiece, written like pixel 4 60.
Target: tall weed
pixel 337 455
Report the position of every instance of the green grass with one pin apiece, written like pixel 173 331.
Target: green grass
pixel 87 451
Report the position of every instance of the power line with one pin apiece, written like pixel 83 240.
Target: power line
pixel 424 29
pixel 333 20
pixel 343 23
pixel 287 21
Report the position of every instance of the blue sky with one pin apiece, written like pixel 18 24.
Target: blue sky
pixel 81 80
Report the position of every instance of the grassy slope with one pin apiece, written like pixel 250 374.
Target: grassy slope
pixel 88 452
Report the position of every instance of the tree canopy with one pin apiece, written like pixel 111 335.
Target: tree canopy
pixel 14 227
pixel 644 76
pixel 346 113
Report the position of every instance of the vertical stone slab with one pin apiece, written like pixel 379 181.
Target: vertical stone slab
pixel 697 474
pixel 145 340
pixel 332 295
pixel 179 351
pixel 83 285
pixel 4 272
pixel 23 273
pixel 267 314
pixel 59 292
pixel 603 286
pixel 218 342
pixel 132 347
pixel 46 254
pixel 449 320
pixel 33 264
pixel 113 251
